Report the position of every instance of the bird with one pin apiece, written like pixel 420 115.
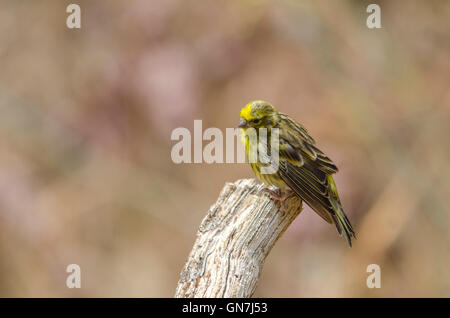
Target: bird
pixel 303 169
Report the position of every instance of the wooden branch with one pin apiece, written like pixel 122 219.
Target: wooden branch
pixel 233 241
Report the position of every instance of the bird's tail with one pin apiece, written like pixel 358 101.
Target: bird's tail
pixel 341 221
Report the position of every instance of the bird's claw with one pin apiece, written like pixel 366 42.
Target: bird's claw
pixel 278 196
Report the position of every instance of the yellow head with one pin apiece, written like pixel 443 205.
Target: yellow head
pixel 258 114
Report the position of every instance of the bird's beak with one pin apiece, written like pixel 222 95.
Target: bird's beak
pixel 243 123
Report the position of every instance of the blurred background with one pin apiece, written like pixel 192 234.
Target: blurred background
pixel 86 116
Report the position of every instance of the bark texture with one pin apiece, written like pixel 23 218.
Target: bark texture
pixel 234 240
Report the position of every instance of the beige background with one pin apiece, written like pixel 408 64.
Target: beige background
pixel 86 117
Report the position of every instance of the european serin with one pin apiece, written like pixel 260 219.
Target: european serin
pixel 303 168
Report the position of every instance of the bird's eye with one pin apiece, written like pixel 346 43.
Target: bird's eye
pixel 255 121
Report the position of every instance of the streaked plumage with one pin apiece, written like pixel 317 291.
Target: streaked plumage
pixel 303 168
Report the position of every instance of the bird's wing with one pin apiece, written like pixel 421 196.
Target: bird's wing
pixel 304 168
pixel 299 139
pixel 308 172
pixel 310 184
